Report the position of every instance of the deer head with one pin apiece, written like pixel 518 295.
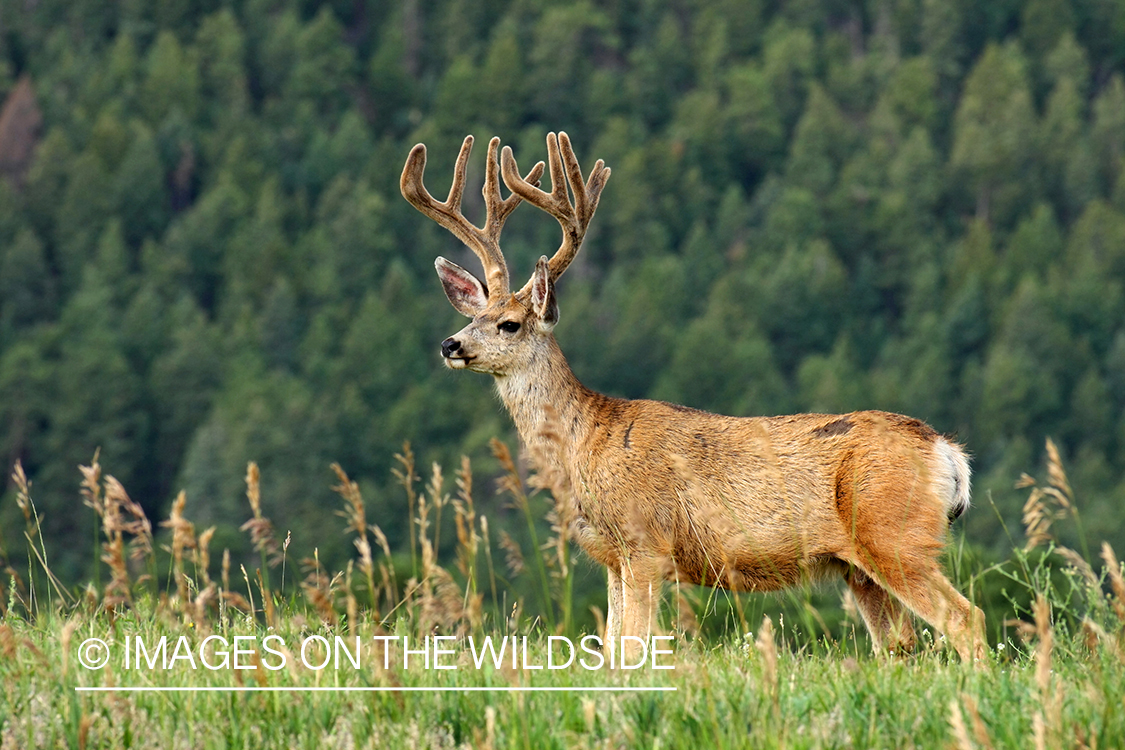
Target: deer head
pixel 507 330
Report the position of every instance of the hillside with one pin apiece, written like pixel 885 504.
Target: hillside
pixel 911 205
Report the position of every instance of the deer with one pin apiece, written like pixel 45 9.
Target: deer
pixel 665 492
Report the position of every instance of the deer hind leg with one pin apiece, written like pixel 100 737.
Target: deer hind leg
pixel 926 591
pixel 887 620
pixel 944 607
pixel 897 528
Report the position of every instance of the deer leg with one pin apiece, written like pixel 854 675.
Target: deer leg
pixel 897 548
pixel 955 616
pixel 613 619
pixel 929 594
pixel 887 620
pixel 638 599
pixel 614 614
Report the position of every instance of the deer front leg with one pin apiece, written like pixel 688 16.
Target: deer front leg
pixel 613 614
pixel 613 617
pixel 638 608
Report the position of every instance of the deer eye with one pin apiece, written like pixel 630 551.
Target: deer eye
pixel 509 326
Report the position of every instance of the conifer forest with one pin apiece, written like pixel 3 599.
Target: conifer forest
pixel 816 205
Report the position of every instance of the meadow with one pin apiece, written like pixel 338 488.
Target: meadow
pixel 293 655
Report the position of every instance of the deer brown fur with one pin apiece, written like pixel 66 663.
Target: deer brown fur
pixel 664 492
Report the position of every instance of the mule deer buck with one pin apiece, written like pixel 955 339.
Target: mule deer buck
pixel 666 492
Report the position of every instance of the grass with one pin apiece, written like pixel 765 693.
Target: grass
pixel 1056 679
pixel 730 694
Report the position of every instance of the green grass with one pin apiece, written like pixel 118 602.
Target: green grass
pixel 1056 678
pixel 727 695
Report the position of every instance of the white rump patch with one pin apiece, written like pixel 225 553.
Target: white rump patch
pixel 953 478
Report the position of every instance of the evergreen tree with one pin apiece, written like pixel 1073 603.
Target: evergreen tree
pixel 993 133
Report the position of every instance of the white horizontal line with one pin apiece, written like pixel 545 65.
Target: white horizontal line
pixel 249 689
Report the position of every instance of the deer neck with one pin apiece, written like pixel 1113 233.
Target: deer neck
pixel 546 397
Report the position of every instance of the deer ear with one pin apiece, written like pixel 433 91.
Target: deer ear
pixel 465 292
pixel 543 295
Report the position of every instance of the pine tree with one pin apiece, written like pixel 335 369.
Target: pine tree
pixel 994 133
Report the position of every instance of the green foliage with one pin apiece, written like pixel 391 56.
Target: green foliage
pixel 917 206
pixel 993 132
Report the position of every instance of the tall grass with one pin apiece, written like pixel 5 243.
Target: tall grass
pixel 779 672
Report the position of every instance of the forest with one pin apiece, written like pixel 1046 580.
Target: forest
pixel 816 205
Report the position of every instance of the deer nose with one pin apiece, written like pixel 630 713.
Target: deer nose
pixel 449 347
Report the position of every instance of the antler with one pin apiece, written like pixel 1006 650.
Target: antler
pixel 483 241
pixel 573 218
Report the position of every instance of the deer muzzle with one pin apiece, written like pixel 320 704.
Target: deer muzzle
pixel 454 354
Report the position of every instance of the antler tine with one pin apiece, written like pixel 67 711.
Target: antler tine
pixel 448 213
pixel 485 243
pixel 573 218
pixel 496 208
